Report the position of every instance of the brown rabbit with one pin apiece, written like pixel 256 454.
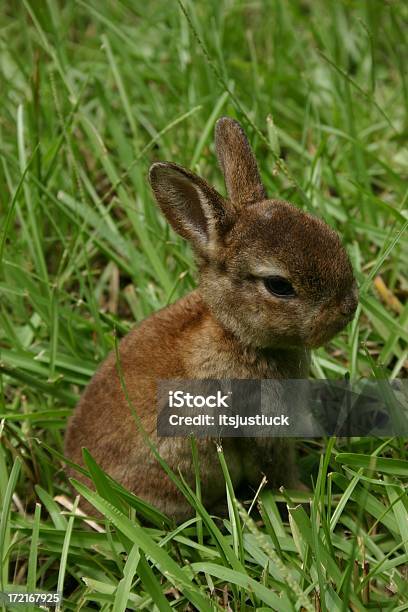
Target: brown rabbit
pixel 274 283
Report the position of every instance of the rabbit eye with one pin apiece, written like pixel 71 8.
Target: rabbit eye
pixel 279 286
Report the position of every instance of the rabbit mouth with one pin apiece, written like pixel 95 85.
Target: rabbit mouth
pixel 330 322
pixel 324 336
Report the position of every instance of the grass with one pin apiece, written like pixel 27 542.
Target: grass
pixel 91 94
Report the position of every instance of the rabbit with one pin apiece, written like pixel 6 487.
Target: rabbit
pixel 274 283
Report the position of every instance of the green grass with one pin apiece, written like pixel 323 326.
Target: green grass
pixel 92 93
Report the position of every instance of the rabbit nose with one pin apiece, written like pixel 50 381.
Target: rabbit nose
pixel 348 305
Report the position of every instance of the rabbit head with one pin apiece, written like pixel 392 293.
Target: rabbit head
pixel 270 273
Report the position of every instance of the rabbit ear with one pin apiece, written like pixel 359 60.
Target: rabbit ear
pixel 237 162
pixel 195 210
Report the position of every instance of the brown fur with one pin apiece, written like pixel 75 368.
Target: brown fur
pixel 230 327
